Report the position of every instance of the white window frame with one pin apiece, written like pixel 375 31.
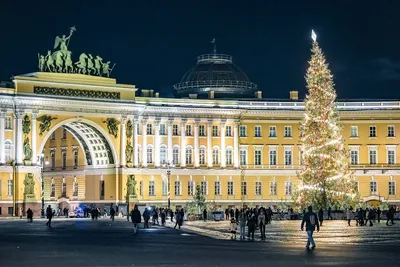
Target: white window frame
pixel 258 188
pixel 228 131
pixel 287 132
pixel 216 155
pixel 163 129
pixel 149 154
pixel 175 130
pixel 243 154
pixel 10 185
pixel 202 155
pixel 244 188
pixel 8 123
pixel 215 132
pixel 373 154
pixel 189 155
pixel 272 150
pixel 178 188
pixel 64 159
pixel 8 150
pixel 354 150
pixel 152 188
pixel 272 131
pixel 190 188
pixel 229 156
pixel 372 131
pixel 188 130
pixel 392 187
pixel 288 156
pixel 202 130
pixel 164 189
pixel 258 160
pixel 288 188
pixel 149 129
pixel 391 152
pixel 217 188
pixel 355 128
pixel 373 184
pixel 75 188
pixel 257 131
pixel 231 188
pixel 273 190
pixel 204 187
pixel 242 131
pixel 163 154
pixel 391 131
pixel 175 155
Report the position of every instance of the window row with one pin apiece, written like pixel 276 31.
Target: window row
pixel 272 131
pixel 64 158
pixel 373 155
pixel 288 187
pixel 372 131
pixel 373 187
pixel 189 130
pixel 272 156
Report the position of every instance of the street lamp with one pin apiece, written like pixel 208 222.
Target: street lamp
pixel 42 163
pixel 169 165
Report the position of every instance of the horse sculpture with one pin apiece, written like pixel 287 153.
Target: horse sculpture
pixel 81 64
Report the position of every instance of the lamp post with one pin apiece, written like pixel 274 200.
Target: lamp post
pixel 42 163
pixel 169 165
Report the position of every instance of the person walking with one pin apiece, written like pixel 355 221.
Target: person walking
pixel 21 212
pixel 177 219
pixel 261 223
pixel 390 216
pixel 311 221
pixel 146 218
pixel 112 213
pixel 29 215
pixel 321 216
pixel 49 215
pixel 329 213
pixel 348 215
pixel 378 214
pixel 136 218
pixel 251 224
pixel 242 225
pixel 227 214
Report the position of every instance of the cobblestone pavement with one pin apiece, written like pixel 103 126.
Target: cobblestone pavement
pixel 332 232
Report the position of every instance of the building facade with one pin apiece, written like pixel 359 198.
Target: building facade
pixel 73 139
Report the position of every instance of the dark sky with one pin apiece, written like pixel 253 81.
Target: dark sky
pixel 155 42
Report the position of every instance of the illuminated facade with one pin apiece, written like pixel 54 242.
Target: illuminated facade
pixel 89 135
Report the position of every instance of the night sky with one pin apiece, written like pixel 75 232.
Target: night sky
pixel 155 42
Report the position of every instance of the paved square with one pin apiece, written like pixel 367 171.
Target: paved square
pixel 82 242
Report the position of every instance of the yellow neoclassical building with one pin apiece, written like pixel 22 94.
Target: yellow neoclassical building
pixel 73 137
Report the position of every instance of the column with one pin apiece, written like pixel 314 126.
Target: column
pixel 19 137
pixel 170 149
pixel 34 152
pixel 157 142
pixel 183 143
pixel 123 142
pixel 3 115
pixel 236 144
pixel 144 142
pixel 135 142
pixel 209 144
pixel 223 154
pixel 196 143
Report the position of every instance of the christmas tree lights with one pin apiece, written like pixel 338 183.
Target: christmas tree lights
pixel 325 176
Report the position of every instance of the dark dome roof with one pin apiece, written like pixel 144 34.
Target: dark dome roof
pixel 215 72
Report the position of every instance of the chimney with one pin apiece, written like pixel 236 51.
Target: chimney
pixel 294 95
pixel 157 95
pixel 211 95
pixel 258 94
pixel 192 96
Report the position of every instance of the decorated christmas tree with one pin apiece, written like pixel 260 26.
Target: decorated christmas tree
pixel 325 176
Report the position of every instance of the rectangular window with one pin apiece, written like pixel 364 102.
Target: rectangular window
pixel 64 189
pixel 228 131
pixel 391 156
pixel 373 187
pixel 163 154
pixel 288 188
pixel 52 188
pixel 53 159
pixel 242 131
pixel 202 156
pixel 288 157
pixel 257 131
pixel 10 187
pixel 8 123
pixel 215 130
pixel 391 131
pixel 272 188
pixel 64 133
pixel 354 131
pixel 75 190
pixel 230 188
pixel 141 188
pixel 244 188
pixel 204 187
pixel 257 157
pixel 258 188
pixel 151 188
pixel 190 188
pixel 189 156
pixel 175 155
pixel 149 155
pixel 272 157
pixel 229 160
pixel 243 157
pixel 392 188
pixel 76 159
pixel 149 129
pixel 53 136
pixel 272 131
pixel 202 130
pixel 288 131
pixel 164 188
pixel 64 159
pixel 354 157
pixel 188 131
pixel 372 131
pixel 178 188
pixel 163 129
pixel 175 130
pixel 102 190
pixel 215 156
pixel 372 157
pixel 10 211
pixel 217 190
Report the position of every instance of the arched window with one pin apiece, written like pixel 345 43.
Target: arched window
pixel 189 153
pixel 229 156
pixel 215 155
pixel 7 150
pixel 149 153
pixel 202 155
pixel 163 154
pixel 175 155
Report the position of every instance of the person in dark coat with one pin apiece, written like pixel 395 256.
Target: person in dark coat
pixel 205 214
pixel 311 221
pixel 321 216
pixel 378 214
pixel 329 213
pixel 29 215
pixel 237 214
pixel 112 213
pixel 136 217
pixel 251 224
pixel 49 215
pixel 232 213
